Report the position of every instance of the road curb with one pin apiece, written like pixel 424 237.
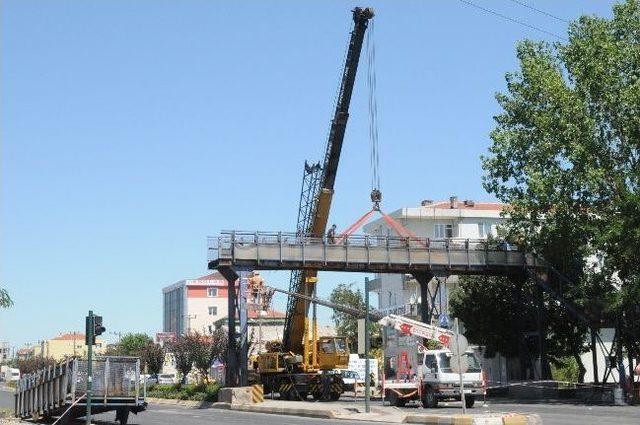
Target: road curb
pixel 257 408
pixel 174 402
pixel 504 419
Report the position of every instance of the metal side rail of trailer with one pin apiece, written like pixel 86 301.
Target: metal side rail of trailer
pixel 60 390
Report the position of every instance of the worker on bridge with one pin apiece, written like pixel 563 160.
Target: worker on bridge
pixel 331 235
pixel 256 284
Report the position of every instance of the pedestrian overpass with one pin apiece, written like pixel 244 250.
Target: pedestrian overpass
pixel 234 253
pixel 359 253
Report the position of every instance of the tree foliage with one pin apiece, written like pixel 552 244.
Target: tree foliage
pixel 33 364
pixel 347 324
pixel 201 352
pixel 565 155
pixel 220 345
pixel 152 356
pixel 133 344
pixel 5 299
pixel 182 353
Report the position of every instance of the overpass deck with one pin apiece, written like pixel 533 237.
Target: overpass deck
pixel 358 253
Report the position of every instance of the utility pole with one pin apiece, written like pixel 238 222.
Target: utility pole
pixel 459 360
pixel 90 338
pixel 367 373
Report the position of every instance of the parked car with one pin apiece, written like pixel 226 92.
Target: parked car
pixel 149 379
pixel 167 378
pixel 350 378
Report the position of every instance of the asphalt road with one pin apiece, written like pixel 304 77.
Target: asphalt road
pixel 165 415
pixel 559 413
pixel 6 399
pixel 551 413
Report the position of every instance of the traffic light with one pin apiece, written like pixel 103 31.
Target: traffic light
pixel 98 329
pixel 93 326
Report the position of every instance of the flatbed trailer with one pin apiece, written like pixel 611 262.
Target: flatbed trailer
pixel 60 390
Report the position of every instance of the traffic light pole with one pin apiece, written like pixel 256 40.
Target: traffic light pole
pixel 90 339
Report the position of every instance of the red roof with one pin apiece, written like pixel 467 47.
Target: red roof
pixel 271 314
pixel 212 276
pixel 70 336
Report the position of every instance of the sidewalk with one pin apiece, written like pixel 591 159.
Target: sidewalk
pixel 388 414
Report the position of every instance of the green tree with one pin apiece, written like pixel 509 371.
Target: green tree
pixel 201 351
pixel 152 356
pixel 133 344
pixel 347 324
pixel 182 352
pixel 220 345
pixel 501 313
pixel 34 363
pixel 565 155
pixel 5 299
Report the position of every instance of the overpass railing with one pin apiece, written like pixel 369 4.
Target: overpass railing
pixel 286 248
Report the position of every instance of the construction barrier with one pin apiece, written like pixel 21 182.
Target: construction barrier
pixel 257 393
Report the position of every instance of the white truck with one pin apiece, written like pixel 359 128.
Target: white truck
pixel 9 374
pixel 434 378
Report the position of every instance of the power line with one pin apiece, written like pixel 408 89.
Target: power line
pixel 528 6
pixel 514 20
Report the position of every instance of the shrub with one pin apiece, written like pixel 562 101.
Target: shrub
pixel 196 392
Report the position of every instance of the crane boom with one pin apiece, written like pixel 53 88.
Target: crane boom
pixel 403 324
pixel 317 211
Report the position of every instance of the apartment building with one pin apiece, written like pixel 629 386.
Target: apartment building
pixel 194 304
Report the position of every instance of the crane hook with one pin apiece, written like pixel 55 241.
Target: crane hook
pixel 376 198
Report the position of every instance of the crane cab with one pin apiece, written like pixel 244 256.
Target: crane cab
pixel 333 353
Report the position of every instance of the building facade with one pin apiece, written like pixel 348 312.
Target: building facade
pixel 452 219
pixel 400 294
pixel 5 352
pixel 67 345
pixel 194 304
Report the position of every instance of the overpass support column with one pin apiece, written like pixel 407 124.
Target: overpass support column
pixel 232 372
pixel 426 299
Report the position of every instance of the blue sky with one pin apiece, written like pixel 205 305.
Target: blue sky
pixel 132 130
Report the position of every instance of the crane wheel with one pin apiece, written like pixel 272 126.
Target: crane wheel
pixel 429 399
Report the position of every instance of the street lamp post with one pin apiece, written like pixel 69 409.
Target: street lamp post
pixel 367 373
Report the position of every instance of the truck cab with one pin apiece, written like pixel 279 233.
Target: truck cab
pixel 440 382
pixel 435 380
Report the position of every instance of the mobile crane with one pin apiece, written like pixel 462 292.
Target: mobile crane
pixel 301 367
pixel 432 381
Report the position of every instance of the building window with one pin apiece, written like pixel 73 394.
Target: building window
pixel 213 311
pixel 212 292
pixel 484 229
pixel 443 231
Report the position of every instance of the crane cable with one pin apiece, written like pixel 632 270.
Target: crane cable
pixel 374 157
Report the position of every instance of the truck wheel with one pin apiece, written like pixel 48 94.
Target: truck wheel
pixel 394 400
pixel 469 401
pixel 429 399
pixel 122 415
pixel 335 396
